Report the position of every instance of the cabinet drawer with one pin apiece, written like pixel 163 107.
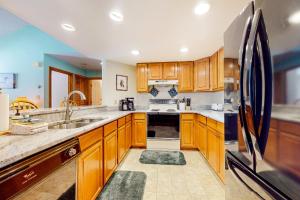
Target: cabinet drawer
pixel 121 121
pixel 108 128
pixel 220 127
pixel 88 139
pixel 139 116
pixel 187 116
pixel 201 118
pixel 211 123
pixel 128 118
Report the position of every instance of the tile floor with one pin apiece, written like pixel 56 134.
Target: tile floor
pixel 193 181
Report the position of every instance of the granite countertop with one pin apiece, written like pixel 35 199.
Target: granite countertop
pixel 16 147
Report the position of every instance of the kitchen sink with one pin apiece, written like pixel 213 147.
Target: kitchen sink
pixel 75 123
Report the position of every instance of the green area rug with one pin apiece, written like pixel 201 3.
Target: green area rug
pixel 124 185
pixel 162 157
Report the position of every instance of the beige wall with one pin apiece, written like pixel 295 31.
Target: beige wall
pixel 110 95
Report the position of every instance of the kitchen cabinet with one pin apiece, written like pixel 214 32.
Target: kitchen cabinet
pixel 121 139
pixel 271 151
pixel 128 132
pixel 201 75
pixel 203 137
pixel 110 149
pixel 213 76
pixel 213 149
pixel 221 69
pixel 170 71
pixel 187 131
pixel 142 77
pixel 185 76
pixel 139 130
pixel 90 165
pixel 155 71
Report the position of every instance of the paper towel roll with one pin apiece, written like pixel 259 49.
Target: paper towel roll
pixel 4 112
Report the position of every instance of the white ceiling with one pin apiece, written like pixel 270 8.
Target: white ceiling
pixel 80 62
pixel 157 28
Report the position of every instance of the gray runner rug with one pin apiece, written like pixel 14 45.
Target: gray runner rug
pixel 162 157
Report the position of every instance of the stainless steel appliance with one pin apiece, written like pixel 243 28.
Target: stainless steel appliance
pixel 50 174
pixel 163 119
pixel 130 103
pixel 262 60
pixel 123 106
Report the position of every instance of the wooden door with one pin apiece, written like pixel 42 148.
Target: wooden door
pixel 128 135
pixel 155 71
pixel 186 76
pixel 170 71
pixel 197 135
pixel 222 157
pixel 187 131
pixel 121 143
pixel 221 68
pixel 139 133
pixel 201 75
pixel 214 71
pixel 203 139
pixel 90 172
pixel 110 154
pixel 142 77
pixel 213 147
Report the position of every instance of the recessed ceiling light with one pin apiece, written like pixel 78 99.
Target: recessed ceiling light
pixel 184 50
pixel 116 16
pixel 294 18
pixel 68 27
pixel 135 52
pixel 201 8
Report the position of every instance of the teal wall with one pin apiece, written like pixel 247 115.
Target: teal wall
pixel 26 46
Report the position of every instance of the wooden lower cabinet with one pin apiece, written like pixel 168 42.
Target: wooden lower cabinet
pixel 139 130
pixel 213 149
pixel 110 154
pixel 187 131
pixel 121 143
pixel 90 172
pixel 128 135
pixel 222 158
pixel 203 139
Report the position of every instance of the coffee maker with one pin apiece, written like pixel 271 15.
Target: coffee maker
pixel 123 105
pixel 130 103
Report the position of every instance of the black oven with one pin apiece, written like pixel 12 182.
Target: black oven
pixel 163 125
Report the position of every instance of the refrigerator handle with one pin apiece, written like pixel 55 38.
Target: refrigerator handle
pixel 259 34
pixel 243 83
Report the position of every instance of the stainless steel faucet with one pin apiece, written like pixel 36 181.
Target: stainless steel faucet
pixel 68 111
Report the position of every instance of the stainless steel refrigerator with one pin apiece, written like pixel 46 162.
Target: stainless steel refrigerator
pixel 262 85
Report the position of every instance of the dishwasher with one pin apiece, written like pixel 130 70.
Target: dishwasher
pixel 50 174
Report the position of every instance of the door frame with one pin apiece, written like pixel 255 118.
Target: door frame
pixel 70 84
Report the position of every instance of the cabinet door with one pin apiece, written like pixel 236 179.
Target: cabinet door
pixel 110 154
pixel 213 147
pixel 90 172
pixel 201 75
pixel 139 133
pixel 197 135
pixel 203 139
pixel 121 143
pixel 142 77
pixel 170 71
pixel 155 71
pixel 271 153
pixel 128 135
pixel 187 134
pixel 221 68
pixel 222 157
pixel 186 76
pixel 214 71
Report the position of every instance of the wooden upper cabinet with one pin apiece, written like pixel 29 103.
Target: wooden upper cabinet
pixel 142 77
pixel 221 68
pixel 214 71
pixel 155 71
pixel 186 76
pixel 201 75
pixel 170 71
